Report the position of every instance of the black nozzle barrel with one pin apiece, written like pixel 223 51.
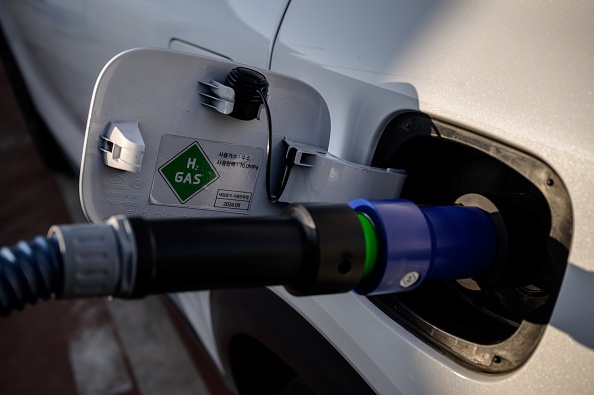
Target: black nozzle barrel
pixel 316 249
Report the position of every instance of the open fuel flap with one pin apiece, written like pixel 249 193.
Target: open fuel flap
pixel 176 136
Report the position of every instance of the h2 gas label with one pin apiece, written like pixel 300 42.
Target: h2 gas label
pixel 189 172
pixel 205 174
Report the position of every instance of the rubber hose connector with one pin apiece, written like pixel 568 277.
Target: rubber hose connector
pixel 29 271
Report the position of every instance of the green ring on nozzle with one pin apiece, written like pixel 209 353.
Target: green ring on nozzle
pixel 370 244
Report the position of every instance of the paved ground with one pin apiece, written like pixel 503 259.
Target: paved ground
pixel 88 346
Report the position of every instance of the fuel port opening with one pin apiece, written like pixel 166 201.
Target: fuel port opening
pixel 492 323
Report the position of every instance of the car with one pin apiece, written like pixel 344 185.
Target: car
pixel 466 97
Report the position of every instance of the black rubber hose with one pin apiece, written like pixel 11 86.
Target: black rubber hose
pixel 29 271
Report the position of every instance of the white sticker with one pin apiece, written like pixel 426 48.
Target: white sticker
pixel 205 174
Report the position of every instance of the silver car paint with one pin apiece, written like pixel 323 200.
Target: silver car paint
pixel 518 72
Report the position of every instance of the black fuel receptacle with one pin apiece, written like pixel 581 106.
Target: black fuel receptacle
pixel 490 324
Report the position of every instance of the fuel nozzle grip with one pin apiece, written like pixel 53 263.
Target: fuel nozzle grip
pixel 424 243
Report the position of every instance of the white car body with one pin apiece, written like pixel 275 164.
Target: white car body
pixel 519 74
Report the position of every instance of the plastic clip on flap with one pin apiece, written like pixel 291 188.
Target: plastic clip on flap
pixel 123 146
pixel 315 175
pixel 221 97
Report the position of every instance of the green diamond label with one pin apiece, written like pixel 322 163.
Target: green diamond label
pixel 189 172
pixel 204 174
